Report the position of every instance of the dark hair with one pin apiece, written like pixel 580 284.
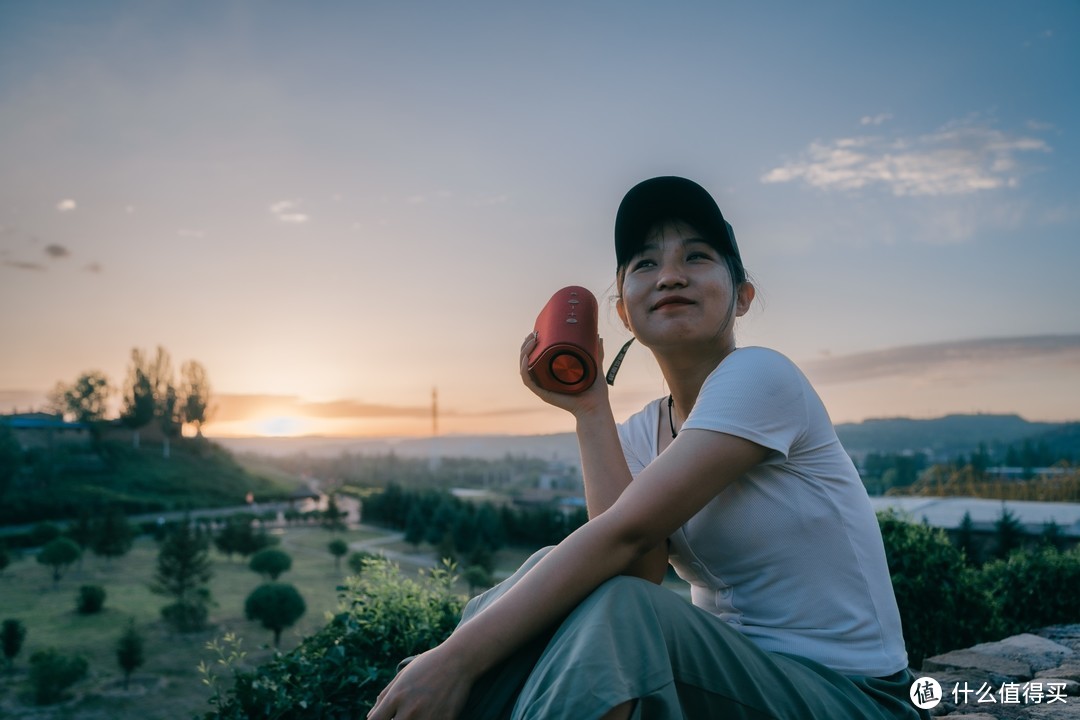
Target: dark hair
pixel 669 199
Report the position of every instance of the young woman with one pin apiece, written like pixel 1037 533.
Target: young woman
pixel 738 480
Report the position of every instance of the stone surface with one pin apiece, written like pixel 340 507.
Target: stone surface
pixel 1038 671
pixel 1000 668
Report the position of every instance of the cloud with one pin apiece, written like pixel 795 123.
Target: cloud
pixel 66 205
pixel 57 252
pixel 920 361
pixel 20 265
pixel 875 119
pixel 285 211
pixel 960 158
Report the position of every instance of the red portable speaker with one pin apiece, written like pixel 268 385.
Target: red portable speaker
pixel 564 359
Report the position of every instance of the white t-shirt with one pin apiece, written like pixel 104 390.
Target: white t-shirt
pixel 790 554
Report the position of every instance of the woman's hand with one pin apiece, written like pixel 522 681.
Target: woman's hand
pixel 595 397
pixel 431 686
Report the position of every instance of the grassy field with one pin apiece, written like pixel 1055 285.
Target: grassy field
pixel 168 685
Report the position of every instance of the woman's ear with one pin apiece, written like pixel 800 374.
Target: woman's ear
pixel 620 308
pixel 745 298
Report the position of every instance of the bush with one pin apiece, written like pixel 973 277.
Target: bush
pixel 276 605
pixel 943 605
pixel 270 562
pixel 186 616
pixel 383 617
pixel 12 634
pixel 1035 588
pixel 360 559
pixel 59 554
pixel 52 673
pixel 91 599
pixel 129 652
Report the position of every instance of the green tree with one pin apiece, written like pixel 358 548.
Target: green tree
pixel 276 605
pixel 183 571
pixel 338 548
pixel 85 401
pixel 59 554
pixel 91 599
pixel 194 395
pixel 1008 533
pixel 333 516
pixel 270 562
pixel 138 395
pixel 12 634
pixel 965 540
pixel 415 526
pixel 112 536
pixel 129 652
pixel 10 457
pixel 52 673
pixel 240 536
pixel 82 530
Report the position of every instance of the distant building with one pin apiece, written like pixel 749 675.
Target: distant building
pixel 46 430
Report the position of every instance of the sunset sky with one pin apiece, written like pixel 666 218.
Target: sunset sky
pixel 336 207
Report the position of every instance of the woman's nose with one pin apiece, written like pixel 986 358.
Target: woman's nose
pixel 670 275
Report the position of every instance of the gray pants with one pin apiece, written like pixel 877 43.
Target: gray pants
pixel 633 640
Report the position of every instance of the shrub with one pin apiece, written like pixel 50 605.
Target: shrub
pixel 91 599
pixel 338 548
pixel 359 560
pixel 276 605
pixel 942 603
pixel 383 617
pixel 12 634
pixel 270 562
pixel 59 554
pixel 52 673
pixel 186 616
pixel 1035 588
pixel 129 652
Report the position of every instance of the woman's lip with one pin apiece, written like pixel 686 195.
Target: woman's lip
pixel 674 300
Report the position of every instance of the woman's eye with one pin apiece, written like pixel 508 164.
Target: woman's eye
pixel 642 263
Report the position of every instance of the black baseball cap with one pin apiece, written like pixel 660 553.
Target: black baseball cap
pixel 673 198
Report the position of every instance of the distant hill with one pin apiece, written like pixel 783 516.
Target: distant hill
pixel 941 437
pixel 950 435
pixel 62 483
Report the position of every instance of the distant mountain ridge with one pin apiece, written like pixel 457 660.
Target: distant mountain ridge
pixel 945 437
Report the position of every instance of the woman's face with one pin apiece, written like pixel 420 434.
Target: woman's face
pixel 678 290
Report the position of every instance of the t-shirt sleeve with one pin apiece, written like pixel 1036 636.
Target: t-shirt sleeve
pixel 756 394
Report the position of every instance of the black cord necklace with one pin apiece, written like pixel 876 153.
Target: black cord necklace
pixel 670 419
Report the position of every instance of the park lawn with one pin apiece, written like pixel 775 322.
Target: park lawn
pixel 27 593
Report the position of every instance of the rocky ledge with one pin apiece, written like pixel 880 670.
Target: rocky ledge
pixel 1034 676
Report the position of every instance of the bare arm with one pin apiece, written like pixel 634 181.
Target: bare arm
pixel 603 466
pixel 694 469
